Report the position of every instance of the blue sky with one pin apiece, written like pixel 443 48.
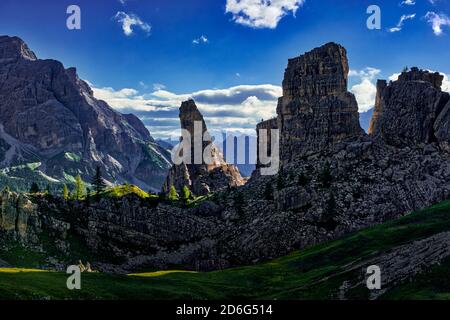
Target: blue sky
pixel 231 62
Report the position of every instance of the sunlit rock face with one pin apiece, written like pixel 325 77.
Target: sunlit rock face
pixel 202 176
pixel 49 116
pixel 316 110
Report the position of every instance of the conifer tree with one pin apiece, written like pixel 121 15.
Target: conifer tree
pixel 66 193
pixel 185 195
pixel 173 195
pixel 79 188
pixel 98 182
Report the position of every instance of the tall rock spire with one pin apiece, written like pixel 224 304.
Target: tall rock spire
pixel 316 109
pixel 199 175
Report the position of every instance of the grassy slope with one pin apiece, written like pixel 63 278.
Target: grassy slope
pixel 297 276
pixel 127 189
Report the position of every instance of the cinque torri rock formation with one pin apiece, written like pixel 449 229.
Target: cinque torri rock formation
pixel 334 179
pixel 316 109
pixel 202 177
pixel 52 128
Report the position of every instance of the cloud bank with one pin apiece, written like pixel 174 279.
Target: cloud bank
pixel 366 90
pixel 236 109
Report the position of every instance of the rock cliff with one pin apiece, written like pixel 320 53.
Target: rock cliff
pixel 50 121
pixel 334 179
pixel 316 109
pixel 408 111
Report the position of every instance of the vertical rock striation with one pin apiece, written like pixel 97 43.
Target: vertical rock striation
pixel 202 177
pixel 316 110
pixel 409 111
pixel 50 117
pixel 18 215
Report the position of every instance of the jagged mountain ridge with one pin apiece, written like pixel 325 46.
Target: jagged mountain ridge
pixel 50 118
pixel 336 181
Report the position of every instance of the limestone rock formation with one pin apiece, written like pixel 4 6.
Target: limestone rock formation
pixel 316 109
pixel 407 110
pixel 18 215
pixel 334 180
pixel 50 121
pixel 201 175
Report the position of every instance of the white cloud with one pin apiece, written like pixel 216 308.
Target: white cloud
pixel 401 22
pixel 366 73
pixel 437 21
pixel 158 86
pixel 109 93
pixel 365 91
pixel 261 13
pixel 394 77
pixel 446 83
pixel 408 2
pixel 234 109
pixel 202 39
pixel 129 21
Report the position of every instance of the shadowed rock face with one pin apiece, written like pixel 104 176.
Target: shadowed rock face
pixel 410 111
pixel 202 178
pixel 316 109
pixel 49 115
pixel 18 215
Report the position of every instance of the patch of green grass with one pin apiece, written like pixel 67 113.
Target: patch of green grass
pixel 192 203
pixel 316 272
pixel 127 189
pixel 72 156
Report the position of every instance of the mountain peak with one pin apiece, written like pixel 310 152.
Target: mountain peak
pixel 14 48
pixel 49 115
pixel 319 72
pixel 416 74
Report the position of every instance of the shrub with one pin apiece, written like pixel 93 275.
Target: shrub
pixel 173 195
pixel 185 195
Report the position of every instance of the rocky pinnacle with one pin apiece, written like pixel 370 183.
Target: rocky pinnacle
pixel 201 177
